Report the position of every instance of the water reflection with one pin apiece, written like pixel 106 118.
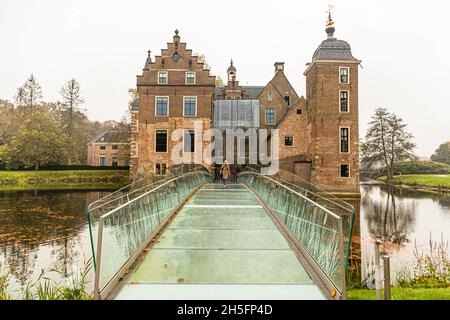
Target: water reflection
pixel 49 228
pixel 402 219
pixel 389 218
pixel 43 229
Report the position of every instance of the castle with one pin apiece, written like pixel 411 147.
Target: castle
pixel 318 132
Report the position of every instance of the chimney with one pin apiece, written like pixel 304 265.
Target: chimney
pixel 279 66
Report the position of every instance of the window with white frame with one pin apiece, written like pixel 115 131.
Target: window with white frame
pixel 344 139
pixel 162 77
pixel 190 107
pixel 269 96
pixel 161 141
pixel 102 161
pixel 162 106
pixel 343 75
pixel 189 141
pixel 190 77
pixel 344 101
pixel 270 116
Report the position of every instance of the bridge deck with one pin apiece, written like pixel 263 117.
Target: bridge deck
pixel 221 245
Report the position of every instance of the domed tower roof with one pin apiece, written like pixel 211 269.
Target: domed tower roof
pixel 231 68
pixel 332 48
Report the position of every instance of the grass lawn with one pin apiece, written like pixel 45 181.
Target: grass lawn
pixel 63 179
pixel 429 180
pixel 402 294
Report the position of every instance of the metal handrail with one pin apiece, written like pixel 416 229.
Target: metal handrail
pixel 317 191
pixel 129 186
pixel 98 255
pixel 342 259
pixel 125 195
pixel 91 210
pixel 298 194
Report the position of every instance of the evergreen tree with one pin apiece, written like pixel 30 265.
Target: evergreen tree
pixel 72 101
pixel 33 92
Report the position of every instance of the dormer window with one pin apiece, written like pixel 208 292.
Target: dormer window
pixel 343 75
pixel 162 77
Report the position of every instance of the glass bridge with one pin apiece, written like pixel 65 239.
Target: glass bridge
pixel 184 237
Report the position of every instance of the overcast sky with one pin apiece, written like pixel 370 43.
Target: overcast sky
pixel 404 46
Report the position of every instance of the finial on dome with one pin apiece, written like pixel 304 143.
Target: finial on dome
pixel 330 23
pixel 231 62
pixel 176 32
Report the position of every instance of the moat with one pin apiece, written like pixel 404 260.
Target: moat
pixel 44 229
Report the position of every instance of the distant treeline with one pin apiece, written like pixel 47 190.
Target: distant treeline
pixel 69 167
pixel 36 134
pixel 418 167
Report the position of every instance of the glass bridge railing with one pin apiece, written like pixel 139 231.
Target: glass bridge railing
pixel 135 189
pixel 317 229
pixel 122 233
pixel 132 191
pixel 324 198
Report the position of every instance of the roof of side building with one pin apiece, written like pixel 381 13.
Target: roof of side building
pixel 110 136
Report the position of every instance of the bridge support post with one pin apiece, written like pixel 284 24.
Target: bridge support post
pixel 98 256
pixel 377 270
pixel 387 277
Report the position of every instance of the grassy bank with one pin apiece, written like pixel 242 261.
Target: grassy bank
pixel 402 294
pixel 438 181
pixel 64 179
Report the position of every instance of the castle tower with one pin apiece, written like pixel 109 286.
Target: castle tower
pixel 332 102
pixel 232 90
pixel 231 71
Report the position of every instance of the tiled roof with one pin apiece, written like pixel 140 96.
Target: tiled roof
pixel 111 136
pixel 252 91
pixel 334 49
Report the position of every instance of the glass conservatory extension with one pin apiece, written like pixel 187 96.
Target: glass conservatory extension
pixel 231 114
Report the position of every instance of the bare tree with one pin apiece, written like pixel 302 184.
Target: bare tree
pixel 72 100
pixel 387 141
pixel 33 92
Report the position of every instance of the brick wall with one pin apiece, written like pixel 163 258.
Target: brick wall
pixel 323 90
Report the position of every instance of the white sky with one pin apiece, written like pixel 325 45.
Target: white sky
pixel 404 45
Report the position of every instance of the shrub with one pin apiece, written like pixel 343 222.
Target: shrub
pixel 419 167
pixel 430 271
pixel 4 276
pixel 44 288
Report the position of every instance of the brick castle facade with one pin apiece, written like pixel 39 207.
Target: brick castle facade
pixel 318 134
